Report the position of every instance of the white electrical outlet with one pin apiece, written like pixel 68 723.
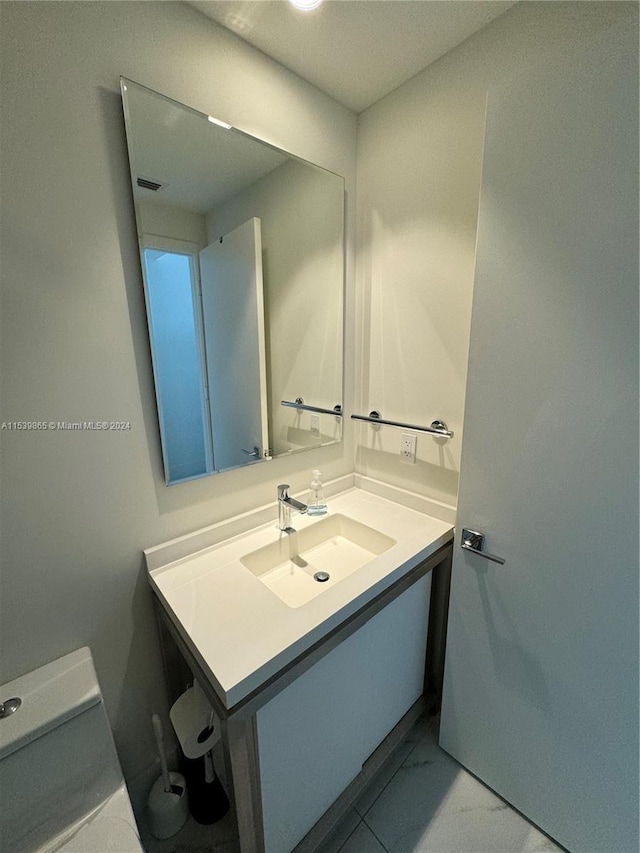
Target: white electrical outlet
pixel 408 447
pixel 315 425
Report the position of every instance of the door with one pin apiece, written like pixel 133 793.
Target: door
pixel 233 315
pixel 170 283
pixel 541 677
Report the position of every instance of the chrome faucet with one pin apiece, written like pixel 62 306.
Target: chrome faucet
pixel 285 503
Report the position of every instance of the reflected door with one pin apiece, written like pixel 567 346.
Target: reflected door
pixel 233 313
pixel 173 312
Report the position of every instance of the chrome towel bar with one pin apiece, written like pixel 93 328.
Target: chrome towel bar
pixel 300 404
pixel 437 427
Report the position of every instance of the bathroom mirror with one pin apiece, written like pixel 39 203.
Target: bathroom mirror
pixel 242 253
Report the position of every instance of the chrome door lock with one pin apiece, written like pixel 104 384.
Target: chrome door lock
pixel 473 541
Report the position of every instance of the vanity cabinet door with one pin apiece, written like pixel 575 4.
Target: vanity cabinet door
pixel 315 735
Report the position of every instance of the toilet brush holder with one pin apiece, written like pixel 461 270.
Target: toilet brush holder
pixel 208 801
pixel 168 806
pixel 167 811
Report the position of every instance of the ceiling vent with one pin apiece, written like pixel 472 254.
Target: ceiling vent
pixel 149 184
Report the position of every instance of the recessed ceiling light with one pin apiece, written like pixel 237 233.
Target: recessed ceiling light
pixel 305 5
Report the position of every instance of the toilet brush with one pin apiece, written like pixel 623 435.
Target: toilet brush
pixel 167 807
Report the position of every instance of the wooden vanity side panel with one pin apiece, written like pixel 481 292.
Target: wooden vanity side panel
pixel 314 736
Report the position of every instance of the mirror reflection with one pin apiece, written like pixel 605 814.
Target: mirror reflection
pixel 242 260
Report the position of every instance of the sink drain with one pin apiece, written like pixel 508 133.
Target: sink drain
pixel 321 577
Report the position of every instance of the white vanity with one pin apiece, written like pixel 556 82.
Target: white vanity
pixel 315 679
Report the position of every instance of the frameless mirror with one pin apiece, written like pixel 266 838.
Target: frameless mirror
pixel 242 251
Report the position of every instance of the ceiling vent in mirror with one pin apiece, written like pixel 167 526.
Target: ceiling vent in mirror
pixel 149 184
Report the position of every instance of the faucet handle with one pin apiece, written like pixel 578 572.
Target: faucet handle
pixel 283 491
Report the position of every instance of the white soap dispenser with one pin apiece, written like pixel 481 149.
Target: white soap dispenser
pixel 316 505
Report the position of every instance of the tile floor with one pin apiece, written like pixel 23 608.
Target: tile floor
pixel 421 801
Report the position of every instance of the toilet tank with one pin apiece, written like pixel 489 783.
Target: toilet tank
pixel 58 761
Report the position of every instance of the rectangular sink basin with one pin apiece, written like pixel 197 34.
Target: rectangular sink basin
pixel 294 567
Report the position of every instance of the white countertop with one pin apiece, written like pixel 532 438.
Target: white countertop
pixel 241 632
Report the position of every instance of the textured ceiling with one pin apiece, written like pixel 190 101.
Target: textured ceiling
pixel 354 50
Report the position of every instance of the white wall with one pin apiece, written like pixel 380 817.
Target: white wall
pixel 79 506
pixel 177 223
pixel 419 170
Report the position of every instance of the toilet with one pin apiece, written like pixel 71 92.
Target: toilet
pixel 61 785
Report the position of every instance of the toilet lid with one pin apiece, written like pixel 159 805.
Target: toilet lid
pixel 104 835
